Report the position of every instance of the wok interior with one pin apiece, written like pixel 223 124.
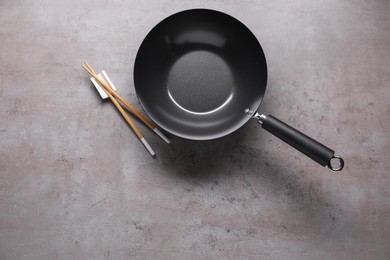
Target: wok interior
pixel 197 71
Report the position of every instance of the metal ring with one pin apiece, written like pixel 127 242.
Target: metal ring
pixel 341 161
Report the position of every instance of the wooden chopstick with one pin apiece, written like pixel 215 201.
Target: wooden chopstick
pixel 125 116
pixel 128 106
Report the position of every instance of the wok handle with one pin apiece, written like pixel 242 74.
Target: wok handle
pixel 303 143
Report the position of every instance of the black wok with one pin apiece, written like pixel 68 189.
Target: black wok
pixel 201 74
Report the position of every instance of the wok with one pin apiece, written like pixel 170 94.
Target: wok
pixel 201 74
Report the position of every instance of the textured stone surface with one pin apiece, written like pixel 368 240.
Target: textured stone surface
pixel 76 184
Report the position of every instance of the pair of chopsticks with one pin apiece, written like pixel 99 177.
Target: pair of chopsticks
pixel 111 94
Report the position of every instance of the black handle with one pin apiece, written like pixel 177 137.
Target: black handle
pixel 305 144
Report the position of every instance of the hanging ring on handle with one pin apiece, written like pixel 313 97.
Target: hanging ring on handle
pixel 338 167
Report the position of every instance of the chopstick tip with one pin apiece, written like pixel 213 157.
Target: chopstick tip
pixel 147 146
pixel 159 133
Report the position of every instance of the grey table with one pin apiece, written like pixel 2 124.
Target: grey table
pixel 75 183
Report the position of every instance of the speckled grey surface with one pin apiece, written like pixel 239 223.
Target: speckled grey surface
pixel 76 184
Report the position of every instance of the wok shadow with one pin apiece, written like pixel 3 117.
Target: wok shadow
pixel 261 171
pixel 199 159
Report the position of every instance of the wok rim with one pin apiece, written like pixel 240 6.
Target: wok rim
pixel 221 134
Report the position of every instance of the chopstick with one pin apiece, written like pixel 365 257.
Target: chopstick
pixel 130 107
pixel 125 116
